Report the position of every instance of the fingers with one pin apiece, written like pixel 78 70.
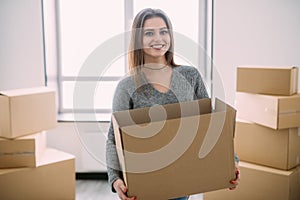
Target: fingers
pixel 237 174
pixel 121 189
pixel 236 181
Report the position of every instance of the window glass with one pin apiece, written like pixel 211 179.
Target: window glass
pixel 84 25
pixel 102 96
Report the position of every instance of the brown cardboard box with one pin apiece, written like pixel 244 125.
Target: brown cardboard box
pixel 277 112
pixel 23 151
pixel 176 149
pixel 53 179
pixel 262 183
pixel 265 146
pixel 267 80
pixel 26 111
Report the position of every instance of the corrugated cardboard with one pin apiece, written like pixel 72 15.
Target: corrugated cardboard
pixel 176 149
pixel 262 183
pixel 267 80
pixel 53 179
pixel 277 112
pixel 265 146
pixel 23 151
pixel 26 111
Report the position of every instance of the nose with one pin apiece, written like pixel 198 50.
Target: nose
pixel 157 36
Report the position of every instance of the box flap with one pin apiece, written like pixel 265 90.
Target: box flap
pixel 294 81
pixel 289 104
pixel 5 116
pixel 265 67
pixel 244 121
pixel 266 169
pixel 11 147
pixel 53 155
pixel 162 112
pixel 221 106
pixel 294 147
pixel 119 147
pixel 26 91
pixel 218 122
pixel 262 109
pixel 12 170
pixel 23 145
pixel 50 156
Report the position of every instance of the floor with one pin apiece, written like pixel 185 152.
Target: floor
pixel 99 190
pixel 94 190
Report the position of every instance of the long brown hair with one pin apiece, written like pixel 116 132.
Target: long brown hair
pixel 136 54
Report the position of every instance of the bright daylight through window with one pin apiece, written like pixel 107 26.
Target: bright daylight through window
pixel 87 24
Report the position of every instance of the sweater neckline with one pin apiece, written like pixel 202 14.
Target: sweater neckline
pixel 170 86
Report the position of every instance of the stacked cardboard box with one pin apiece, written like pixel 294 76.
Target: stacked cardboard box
pixel 28 169
pixel 267 135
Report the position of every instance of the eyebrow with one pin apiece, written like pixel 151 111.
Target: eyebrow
pixel 152 29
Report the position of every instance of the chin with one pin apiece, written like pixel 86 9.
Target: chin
pixel 157 54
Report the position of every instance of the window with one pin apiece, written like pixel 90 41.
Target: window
pixel 83 26
pixel 87 27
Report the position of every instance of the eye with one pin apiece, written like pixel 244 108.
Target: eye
pixel 148 33
pixel 164 32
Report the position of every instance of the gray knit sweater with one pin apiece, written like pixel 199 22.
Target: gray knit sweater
pixel 186 85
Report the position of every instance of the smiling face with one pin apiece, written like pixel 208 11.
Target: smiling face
pixel 156 40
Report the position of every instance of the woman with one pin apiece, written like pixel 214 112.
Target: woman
pixel 155 79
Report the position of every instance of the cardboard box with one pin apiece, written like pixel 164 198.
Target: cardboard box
pixel 262 183
pixel 265 146
pixel 53 179
pixel 176 149
pixel 267 80
pixel 277 112
pixel 27 111
pixel 23 151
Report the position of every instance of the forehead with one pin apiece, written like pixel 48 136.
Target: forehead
pixel 154 22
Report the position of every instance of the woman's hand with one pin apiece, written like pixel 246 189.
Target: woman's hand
pixel 121 189
pixel 235 181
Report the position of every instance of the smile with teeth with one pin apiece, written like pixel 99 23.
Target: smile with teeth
pixel 158 46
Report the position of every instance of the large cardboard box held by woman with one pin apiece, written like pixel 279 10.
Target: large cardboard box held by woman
pixel 173 150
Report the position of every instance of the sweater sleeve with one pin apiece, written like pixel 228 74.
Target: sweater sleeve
pixel 121 101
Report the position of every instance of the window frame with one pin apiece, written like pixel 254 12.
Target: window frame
pixel 204 35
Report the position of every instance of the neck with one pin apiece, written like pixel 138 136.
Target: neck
pixel 155 67
pixel 155 60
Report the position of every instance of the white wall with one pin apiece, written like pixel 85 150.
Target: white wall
pixel 21 44
pixel 256 32
pixel 85 140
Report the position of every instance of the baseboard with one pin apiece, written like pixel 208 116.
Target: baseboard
pixel 91 176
